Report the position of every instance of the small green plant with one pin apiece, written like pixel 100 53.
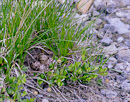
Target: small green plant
pixel 79 71
pixel 27 23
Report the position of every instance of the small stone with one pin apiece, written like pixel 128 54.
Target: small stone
pixel 110 9
pixel 97 2
pixel 124 55
pixel 128 67
pixel 95 13
pixel 98 21
pixel 120 39
pixel 109 93
pixel 61 1
pixel 81 18
pixel 45 100
pixel 106 41
pixel 119 26
pixel 111 62
pixel 108 27
pixel 127 42
pixel 120 66
pixel 126 85
pixel 78 100
pixel 100 34
pixel 110 65
pixel 124 14
pixel 124 2
pixel 110 50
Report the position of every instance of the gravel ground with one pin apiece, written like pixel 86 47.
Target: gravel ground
pixel 112 28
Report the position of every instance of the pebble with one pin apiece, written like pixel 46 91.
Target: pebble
pixel 97 3
pixel 127 42
pixel 124 55
pixel 108 27
pixel 128 67
pixel 95 13
pixel 110 9
pixel 120 39
pixel 124 2
pixel 111 62
pixel 45 100
pixel 123 14
pixel 110 50
pixel 119 26
pixel 109 93
pixel 98 21
pixel 78 100
pixel 120 66
pixel 106 41
pixel 126 85
pixel 81 18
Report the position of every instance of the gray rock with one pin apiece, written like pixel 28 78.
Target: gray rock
pixel 119 26
pixel 110 9
pixel 106 41
pixel 110 50
pixel 95 13
pixel 126 85
pixel 109 93
pixel 108 27
pixel 124 55
pixel 98 2
pixel 98 21
pixel 45 100
pixel 124 14
pixel 120 66
pixel 81 18
pixel 124 2
pixel 78 100
pixel 100 34
pixel 120 39
pixel 128 67
pixel 127 42
pixel 111 62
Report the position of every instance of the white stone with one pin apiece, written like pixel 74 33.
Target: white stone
pixel 109 93
pixel 97 2
pixel 45 100
pixel 128 67
pixel 125 14
pixel 81 18
pixel 61 1
pixel 110 50
pixel 120 66
pixel 120 27
pixel 126 85
pixel 120 39
pixel 124 55
pixel 106 41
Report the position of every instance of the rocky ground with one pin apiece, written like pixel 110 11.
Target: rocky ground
pixel 112 29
